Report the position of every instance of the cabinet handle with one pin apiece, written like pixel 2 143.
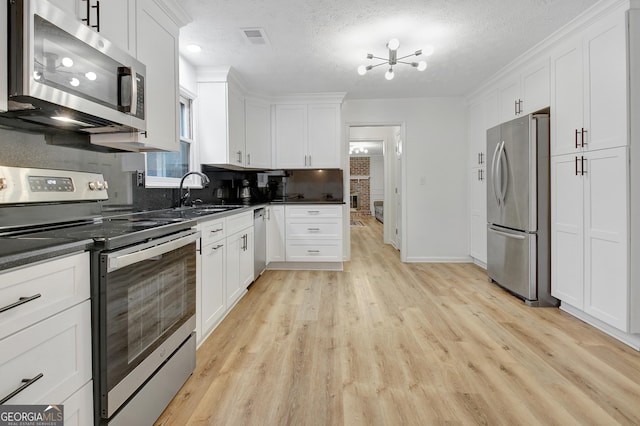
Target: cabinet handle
pixel 215 231
pixel 21 301
pixel 519 106
pixel 97 8
pixel 515 107
pixel 248 159
pixel 239 156
pixel 309 160
pixel 577 145
pixel 313 229
pixel 305 160
pixel 219 246
pixel 26 384
pixel 88 18
pixel 313 211
pixel 576 165
pixel 582 136
pixel 313 251
pixel 582 168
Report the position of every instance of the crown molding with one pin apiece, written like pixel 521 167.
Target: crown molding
pixel 175 12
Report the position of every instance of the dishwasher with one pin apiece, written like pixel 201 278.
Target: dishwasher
pixel 260 241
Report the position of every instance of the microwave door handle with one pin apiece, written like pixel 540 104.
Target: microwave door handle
pixel 117 260
pixel 131 105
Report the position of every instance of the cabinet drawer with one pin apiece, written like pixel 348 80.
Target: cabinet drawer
pixel 314 211
pixel 59 348
pixel 314 229
pixel 317 251
pixel 78 408
pixel 53 286
pixel 239 221
pixel 212 231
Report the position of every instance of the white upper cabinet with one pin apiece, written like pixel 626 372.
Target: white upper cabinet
pixel 589 89
pixel 233 131
pixel 157 47
pixel 307 135
pixel 113 19
pixel 525 92
pixel 258 133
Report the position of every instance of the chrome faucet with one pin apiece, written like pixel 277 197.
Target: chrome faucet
pixel 186 195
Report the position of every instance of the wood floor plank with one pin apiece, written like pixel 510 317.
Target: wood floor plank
pixel 387 343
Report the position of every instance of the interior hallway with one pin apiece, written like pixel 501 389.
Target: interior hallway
pixel 387 343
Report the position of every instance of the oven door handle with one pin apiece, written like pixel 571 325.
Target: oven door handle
pixel 118 260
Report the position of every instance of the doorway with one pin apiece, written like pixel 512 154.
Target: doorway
pixel 375 157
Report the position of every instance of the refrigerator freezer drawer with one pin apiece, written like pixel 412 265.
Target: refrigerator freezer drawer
pixel 511 260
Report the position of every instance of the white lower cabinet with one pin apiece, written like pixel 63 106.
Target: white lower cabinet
pixel 210 290
pixel 313 233
pixel 589 215
pixel 45 336
pixel 275 234
pixel 239 264
pixel 478 234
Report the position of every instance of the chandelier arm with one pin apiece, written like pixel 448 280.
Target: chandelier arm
pixel 407 56
pixel 377 65
pixel 382 59
pixel 403 62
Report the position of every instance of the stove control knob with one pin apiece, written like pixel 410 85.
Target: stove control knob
pixel 99 185
pixel 92 186
pixel 3 183
pixel 105 185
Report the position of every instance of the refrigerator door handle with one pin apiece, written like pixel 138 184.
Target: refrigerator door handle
pixel 506 234
pixel 493 173
pixel 504 180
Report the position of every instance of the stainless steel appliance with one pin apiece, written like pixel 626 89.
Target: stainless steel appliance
pixel 260 242
pixel 143 268
pixel 64 76
pixel 518 247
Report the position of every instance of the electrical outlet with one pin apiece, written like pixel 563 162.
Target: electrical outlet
pixel 140 178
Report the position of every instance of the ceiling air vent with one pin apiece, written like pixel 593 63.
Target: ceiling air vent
pixel 255 36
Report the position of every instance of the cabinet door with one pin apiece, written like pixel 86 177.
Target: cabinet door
pixel 535 87
pixel 566 97
pixel 258 133
pixel 212 300
pixel 117 22
pixel 478 243
pixel 275 234
pixel 509 95
pixel 605 108
pixel 606 218
pixel 476 136
pixel 212 122
pixel 237 153
pixel 73 7
pixel 491 114
pixel 324 136
pixel 567 236
pixel 157 39
pixel 291 136
pixel 246 259
pixel 235 243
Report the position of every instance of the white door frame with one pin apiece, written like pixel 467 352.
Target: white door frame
pixel 402 184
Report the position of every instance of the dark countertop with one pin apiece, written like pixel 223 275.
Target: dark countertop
pixel 16 252
pixel 19 251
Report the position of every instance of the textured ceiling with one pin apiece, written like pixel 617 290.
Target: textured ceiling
pixel 317 45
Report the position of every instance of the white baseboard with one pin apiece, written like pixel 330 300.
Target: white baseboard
pixel 305 266
pixel 632 340
pixel 464 259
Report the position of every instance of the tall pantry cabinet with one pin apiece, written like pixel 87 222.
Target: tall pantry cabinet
pixel 594 75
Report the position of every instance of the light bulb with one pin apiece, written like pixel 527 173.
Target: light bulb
pixel 90 75
pixel 389 74
pixel 366 151
pixel 427 51
pixel 194 48
pixel 362 70
pixel 67 62
pixel 422 65
pixel 37 75
pixel 393 44
pixel 74 82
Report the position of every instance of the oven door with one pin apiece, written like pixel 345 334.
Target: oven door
pixel 146 310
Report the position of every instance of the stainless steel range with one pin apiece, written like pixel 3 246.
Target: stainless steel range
pixel 143 268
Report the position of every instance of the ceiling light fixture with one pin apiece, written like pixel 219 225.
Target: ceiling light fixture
pixel 194 48
pixel 393 59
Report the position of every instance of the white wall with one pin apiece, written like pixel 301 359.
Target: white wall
pixel 188 76
pixel 435 176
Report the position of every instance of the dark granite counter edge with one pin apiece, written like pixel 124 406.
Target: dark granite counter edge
pixel 37 255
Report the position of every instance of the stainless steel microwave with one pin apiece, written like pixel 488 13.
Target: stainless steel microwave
pixel 64 76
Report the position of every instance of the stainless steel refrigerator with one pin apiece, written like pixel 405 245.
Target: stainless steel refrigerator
pixel 518 229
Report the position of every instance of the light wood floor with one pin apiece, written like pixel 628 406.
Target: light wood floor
pixel 387 343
